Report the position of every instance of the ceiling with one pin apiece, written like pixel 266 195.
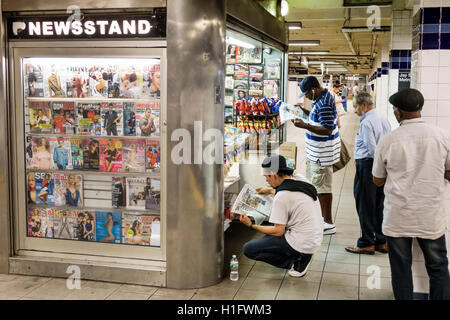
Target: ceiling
pixel 323 20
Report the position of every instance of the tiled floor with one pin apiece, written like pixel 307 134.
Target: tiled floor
pixel 333 273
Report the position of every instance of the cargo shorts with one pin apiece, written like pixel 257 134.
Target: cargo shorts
pixel 321 177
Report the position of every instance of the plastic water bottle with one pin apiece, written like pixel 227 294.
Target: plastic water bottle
pixel 234 266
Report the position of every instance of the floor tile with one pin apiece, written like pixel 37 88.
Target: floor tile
pixel 227 283
pixel 267 272
pixel 340 279
pixel 55 289
pixel 316 265
pixel 310 276
pixel 367 294
pixel 336 292
pixel 292 290
pixel 385 271
pixel 138 289
pixel 338 267
pixel 122 295
pixel 261 284
pixel 22 285
pixel 7 277
pixel 213 293
pixel 344 257
pixel 86 293
pixel 367 282
pixel 244 294
pixel 175 294
pixel 244 260
pixel 379 259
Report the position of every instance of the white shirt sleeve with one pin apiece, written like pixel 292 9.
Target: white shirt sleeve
pixel 447 160
pixel 379 167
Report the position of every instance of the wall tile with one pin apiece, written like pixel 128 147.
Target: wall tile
pixel 429 108
pixel 443 91
pixel 443 108
pixel 444 75
pixel 444 123
pixel 444 57
pixel 430 120
pixel 429 91
pixel 429 58
pixel 429 75
pixel 445 17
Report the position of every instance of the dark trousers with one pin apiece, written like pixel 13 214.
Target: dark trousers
pixel 272 250
pixel 369 205
pixel 436 262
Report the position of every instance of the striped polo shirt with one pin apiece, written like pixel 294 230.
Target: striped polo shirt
pixel 324 150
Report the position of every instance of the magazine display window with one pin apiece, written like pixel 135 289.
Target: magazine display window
pixel 91 152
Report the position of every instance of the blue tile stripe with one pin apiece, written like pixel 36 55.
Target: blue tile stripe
pixel 400 59
pixel 433 28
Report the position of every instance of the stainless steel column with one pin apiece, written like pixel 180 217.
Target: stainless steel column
pixel 196 63
pixel 5 231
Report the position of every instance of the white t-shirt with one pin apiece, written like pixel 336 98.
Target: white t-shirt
pixel 302 217
pixel 413 159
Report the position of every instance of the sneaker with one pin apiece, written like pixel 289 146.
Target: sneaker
pixel 329 228
pixel 300 267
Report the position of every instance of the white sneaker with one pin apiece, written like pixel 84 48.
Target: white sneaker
pixel 329 228
pixel 302 268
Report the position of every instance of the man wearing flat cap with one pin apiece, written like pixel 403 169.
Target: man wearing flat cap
pixel 413 162
pixel 296 233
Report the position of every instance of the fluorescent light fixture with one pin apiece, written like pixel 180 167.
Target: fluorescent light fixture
pixel 294 25
pixel 284 8
pixel 303 43
pixel 305 53
pixel 325 62
pixel 240 43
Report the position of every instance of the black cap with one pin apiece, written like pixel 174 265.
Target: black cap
pixel 308 83
pixel 275 164
pixel 409 100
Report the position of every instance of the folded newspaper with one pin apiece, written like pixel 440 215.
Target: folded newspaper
pixel 253 204
pixel 290 112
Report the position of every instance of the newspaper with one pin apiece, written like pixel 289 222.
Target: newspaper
pixel 290 112
pixel 253 204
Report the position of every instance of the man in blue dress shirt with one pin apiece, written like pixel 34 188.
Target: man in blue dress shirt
pixel 368 197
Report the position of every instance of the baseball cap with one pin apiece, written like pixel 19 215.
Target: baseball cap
pixel 409 100
pixel 275 164
pixel 308 83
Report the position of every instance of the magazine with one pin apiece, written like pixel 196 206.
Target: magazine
pixel 137 228
pixel 34 217
pixel 229 82
pixel 131 85
pixel 108 226
pixel 77 82
pixel 64 118
pixel 60 189
pixel 61 153
pixel 253 204
pixel 91 160
pixel 68 189
pixel 137 190
pixel 273 69
pixel 155 238
pixel 30 147
pixel 85 225
pixel 89 119
pixel 271 89
pixel 289 151
pixel 147 119
pixel 112 122
pixel 65 224
pixel 256 72
pixel 44 188
pixel 152 156
pixel 119 192
pixel 47 218
pixel 110 155
pixel 98 86
pixel 34 80
pixel 76 151
pixel 41 158
pixel 241 84
pixel 133 155
pixel 153 195
pixel 40 117
pixel 113 85
pixel 129 119
pixel 54 84
pixel 229 69
pixel 289 112
pixel 151 87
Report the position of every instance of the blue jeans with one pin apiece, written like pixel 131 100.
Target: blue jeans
pixel 436 262
pixel 272 250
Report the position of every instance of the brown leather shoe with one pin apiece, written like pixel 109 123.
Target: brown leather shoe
pixel 365 250
pixel 381 248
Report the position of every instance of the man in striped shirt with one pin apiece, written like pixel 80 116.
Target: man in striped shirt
pixel 323 144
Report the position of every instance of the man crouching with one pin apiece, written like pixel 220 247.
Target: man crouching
pixel 297 232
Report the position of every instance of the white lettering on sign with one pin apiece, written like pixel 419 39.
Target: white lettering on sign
pixel 34 28
pixel 47 28
pixel 62 27
pixel 102 25
pixel 89 28
pixel 114 28
pixel 129 27
pixel 76 28
pixel 144 27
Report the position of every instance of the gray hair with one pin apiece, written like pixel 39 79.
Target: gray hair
pixel 364 97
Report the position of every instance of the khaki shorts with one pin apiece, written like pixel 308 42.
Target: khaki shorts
pixel 319 176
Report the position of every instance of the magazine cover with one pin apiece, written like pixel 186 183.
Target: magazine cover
pixel 61 153
pixel 30 147
pixel 231 53
pixel 240 94
pixel 151 84
pixel 47 228
pixel 64 224
pixel 131 85
pixel 113 84
pixel 119 192
pixel 241 69
pixel 40 150
pixel 91 151
pixel 34 216
pixel 44 191
pixel 271 88
pixel 229 82
pixel 133 155
pixel 89 119
pixel 98 86
pixel 153 194
pixel 229 100
pixel 74 190
pixel 256 89
pixel 273 69
pixel 34 80
pixel 256 72
pixel 152 156
pixel 253 204
pixel 54 84
pixel 40 117
pixel 136 192
pixel 76 151
pixel 112 121
pixel 110 155
pixel 147 119
pixel 59 181
pixel 108 226
pixel 241 84
pixel 64 118
pixel 129 119
pixel 229 69
pixel 85 225
pixel 155 238
pixel 77 82
pixel 31 188
pixel 137 228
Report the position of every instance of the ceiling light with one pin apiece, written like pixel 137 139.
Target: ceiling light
pixel 240 43
pixel 325 62
pixel 284 8
pixel 309 52
pixel 305 43
pixel 294 25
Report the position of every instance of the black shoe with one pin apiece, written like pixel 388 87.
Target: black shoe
pixel 300 267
